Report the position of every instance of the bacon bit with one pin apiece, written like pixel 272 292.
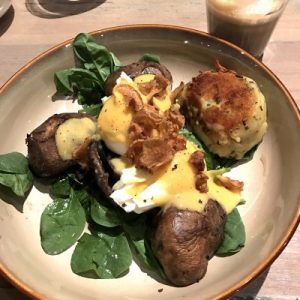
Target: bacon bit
pixel 136 131
pixel 156 87
pixel 131 96
pixel 171 124
pixel 201 183
pixel 233 185
pixel 156 153
pixel 197 161
pixel 143 123
pixel 175 118
pixel 177 92
pixel 150 154
pixel 154 138
pixel 177 143
pixel 80 154
pixel 135 149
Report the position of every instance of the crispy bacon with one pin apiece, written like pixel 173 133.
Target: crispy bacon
pixel 156 153
pixel 197 161
pixel 156 87
pixel 233 185
pixel 201 183
pixel 131 96
pixel 177 143
pixel 172 123
pixel 135 149
pixel 177 92
pixel 143 123
pixel 154 138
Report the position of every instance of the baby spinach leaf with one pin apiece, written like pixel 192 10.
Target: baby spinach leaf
pixel 150 57
pixel 13 162
pixel 63 82
pixel 232 162
pixel 15 173
pixel 210 160
pixel 117 63
pixel 69 185
pixel 86 83
pixel 79 82
pixel 234 238
pixel 92 110
pixel 136 232
pixel 62 223
pixel 101 256
pixel 214 161
pixel 18 183
pixel 94 57
pixel 61 188
pixel 104 214
pixel 82 196
pixel 242 201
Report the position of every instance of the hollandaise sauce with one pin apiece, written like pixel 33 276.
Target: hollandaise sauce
pixel 115 116
pixel 174 185
pixel 72 133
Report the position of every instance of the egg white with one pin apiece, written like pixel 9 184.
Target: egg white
pixel 138 203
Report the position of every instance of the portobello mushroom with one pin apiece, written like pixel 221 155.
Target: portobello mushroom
pixel 135 69
pixel 105 176
pixel 183 241
pixel 43 156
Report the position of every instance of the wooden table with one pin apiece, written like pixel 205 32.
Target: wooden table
pixel 33 26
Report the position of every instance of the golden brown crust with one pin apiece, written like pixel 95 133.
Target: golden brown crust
pixel 232 99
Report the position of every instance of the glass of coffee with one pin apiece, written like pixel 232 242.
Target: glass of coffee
pixel 246 23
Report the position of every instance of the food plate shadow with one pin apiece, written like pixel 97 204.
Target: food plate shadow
pixel 252 289
pixel 7 20
pixel 42 184
pixel 152 274
pixel 10 198
pixel 49 9
pixel 57 97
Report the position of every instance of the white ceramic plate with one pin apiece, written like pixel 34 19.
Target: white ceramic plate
pixel 271 179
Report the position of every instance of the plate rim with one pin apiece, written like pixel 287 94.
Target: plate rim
pixel 18 283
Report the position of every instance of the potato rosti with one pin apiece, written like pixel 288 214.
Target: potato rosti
pixel 226 111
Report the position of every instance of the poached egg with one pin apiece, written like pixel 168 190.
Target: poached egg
pixel 115 116
pixel 173 184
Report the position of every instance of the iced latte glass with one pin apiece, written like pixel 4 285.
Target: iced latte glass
pixel 246 23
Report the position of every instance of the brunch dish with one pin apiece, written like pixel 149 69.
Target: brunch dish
pixel 145 174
